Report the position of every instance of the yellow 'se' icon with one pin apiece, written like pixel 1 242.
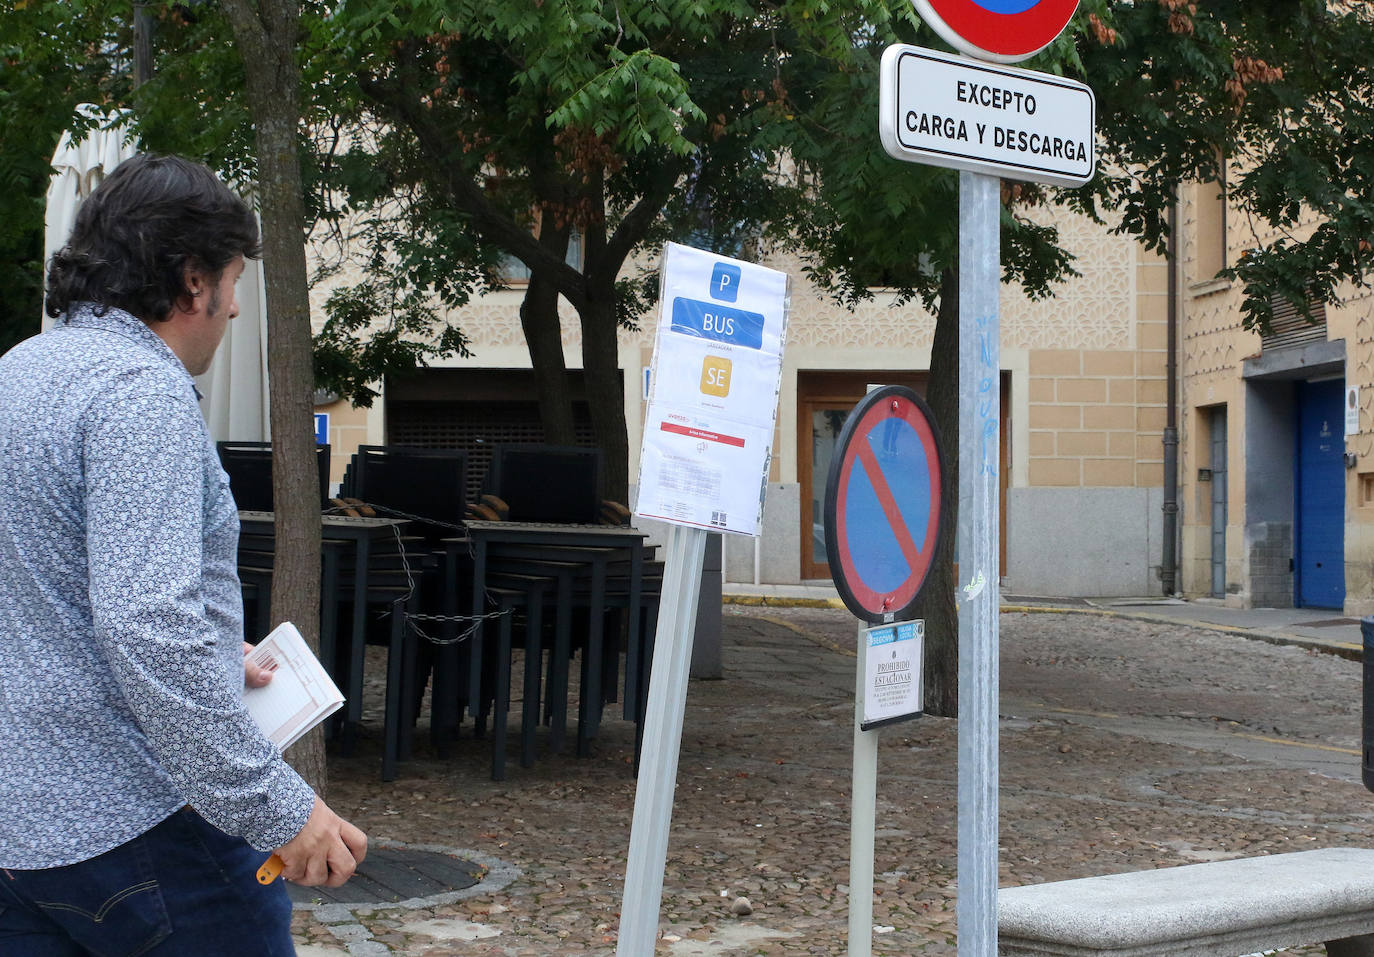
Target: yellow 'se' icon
pixel 715 376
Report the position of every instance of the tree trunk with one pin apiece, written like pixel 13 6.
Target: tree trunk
pixel 606 392
pixel 938 603
pixel 544 339
pixel 265 34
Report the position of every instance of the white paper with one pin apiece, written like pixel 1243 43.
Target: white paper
pixel 300 695
pixel 708 429
pixel 892 671
pixel 694 476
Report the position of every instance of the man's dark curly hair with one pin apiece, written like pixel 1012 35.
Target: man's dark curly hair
pixel 141 228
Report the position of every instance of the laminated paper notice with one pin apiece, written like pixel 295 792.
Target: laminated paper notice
pixel 892 672
pixel 713 400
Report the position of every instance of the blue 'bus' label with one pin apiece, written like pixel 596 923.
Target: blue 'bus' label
pixel 708 320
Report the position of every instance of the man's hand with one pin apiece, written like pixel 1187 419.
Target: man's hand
pixel 326 851
pixel 254 675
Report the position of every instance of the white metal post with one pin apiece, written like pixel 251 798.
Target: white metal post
pixel 979 567
pixel 662 742
pixel 862 816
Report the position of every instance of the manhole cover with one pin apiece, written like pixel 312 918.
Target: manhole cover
pixel 390 875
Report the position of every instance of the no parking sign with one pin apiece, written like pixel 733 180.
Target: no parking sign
pixel 882 528
pixel 882 504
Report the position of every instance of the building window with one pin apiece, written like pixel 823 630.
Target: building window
pixel 1290 327
pixel 516 273
pixel 1210 228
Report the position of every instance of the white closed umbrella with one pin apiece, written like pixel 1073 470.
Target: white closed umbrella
pixel 78 167
pixel 234 389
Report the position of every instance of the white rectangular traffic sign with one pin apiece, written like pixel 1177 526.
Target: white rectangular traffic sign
pixel 946 110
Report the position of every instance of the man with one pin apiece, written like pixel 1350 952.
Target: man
pixel 139 798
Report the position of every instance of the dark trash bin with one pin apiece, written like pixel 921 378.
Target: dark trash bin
pixel 1367 762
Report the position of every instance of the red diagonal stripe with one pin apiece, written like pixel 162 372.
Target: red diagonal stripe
pixel 889 503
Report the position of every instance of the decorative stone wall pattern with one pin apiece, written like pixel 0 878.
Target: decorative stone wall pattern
pixel 1092 311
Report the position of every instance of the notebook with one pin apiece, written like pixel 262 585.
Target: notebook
pixel 300 695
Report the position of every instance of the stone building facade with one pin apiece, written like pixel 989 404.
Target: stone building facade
pixel 1276 486
pixel 1083 414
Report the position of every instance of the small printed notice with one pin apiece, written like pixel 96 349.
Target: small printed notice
pixel 300 695
pixel 1352 410
pixel 713 391
pixel 892 668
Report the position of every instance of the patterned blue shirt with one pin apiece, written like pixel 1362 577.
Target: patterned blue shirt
pixel 121 654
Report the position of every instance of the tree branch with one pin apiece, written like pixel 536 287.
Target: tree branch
pixel 492 224
pixel 635 224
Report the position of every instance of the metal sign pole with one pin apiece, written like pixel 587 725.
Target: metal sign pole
pixel 979 566
pixel 863 814
pixel 921 97
pixel 662 741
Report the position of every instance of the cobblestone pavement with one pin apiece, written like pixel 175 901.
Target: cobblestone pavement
pixel 1124 745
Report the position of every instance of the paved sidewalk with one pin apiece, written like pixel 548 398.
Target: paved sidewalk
pixel 1324 629
pixel 1129 740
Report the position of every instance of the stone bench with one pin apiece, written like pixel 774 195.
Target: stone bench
pixel 1218 909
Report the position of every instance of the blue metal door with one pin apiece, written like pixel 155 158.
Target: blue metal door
pixel 1320 481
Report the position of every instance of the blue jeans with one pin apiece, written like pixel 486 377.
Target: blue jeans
pixel 183 889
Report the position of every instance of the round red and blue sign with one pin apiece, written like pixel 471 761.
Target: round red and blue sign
pixel 882 504
pixel 1005 31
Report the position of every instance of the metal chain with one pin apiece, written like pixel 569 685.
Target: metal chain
pixel 412 618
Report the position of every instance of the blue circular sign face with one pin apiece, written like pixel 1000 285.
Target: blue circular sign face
pixel 1001 30
pixel 882 504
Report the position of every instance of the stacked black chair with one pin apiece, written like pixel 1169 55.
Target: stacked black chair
pixel 249 467
pixel 395 585
pixel 546 483
pixel 399 578
pixel 556 598
pixel 426 487
pixel 347 483
pixel 393 593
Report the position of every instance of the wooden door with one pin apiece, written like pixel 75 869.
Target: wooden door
pixel 824 400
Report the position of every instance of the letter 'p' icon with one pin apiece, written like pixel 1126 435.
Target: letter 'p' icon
pixel 725 282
